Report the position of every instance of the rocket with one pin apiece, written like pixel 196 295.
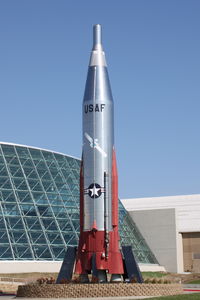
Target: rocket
pixel 99 248
pixel 99 252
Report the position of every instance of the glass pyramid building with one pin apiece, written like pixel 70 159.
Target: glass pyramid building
pixel 39 206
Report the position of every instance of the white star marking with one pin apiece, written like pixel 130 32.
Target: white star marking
pixel 94 144
pixel 94 191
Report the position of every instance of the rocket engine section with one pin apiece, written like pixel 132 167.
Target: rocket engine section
pixel 99 238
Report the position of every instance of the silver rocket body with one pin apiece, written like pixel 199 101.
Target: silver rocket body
pixel 98 141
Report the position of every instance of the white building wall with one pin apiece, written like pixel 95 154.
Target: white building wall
pixel 159 229
pixel 187 219
pixel 27 266
pixel 187 206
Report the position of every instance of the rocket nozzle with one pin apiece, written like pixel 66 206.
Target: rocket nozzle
pixel 97 37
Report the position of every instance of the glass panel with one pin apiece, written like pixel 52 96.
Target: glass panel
pixel 5 253
pixel 36 154
pixel 44 211
pixel 64 225
pixel 8 196
pixel 3 171
pixel 16 223
pixel 27 163
pixel 37 237
pixel 22 252
pixel 54 199
pixel 30 173
pixel 52 165
pixel 48 186
pixel 22 152
pixel 8 150
pixel 28 210
pixel 70 239
pixel 50 225
pixel 40 165
pixel 19 237
pixel 10 209
pixel 12 161
pixel 2 223
pixel 40 198
pixel 1 161
pixel 24 196
pixel 59 252
pixel 45 176
pixel 3 238
pixel 62 162
pixel 16 171
pixel 42 252
pixel 20 184
pixel 54 238
pixel 34 185
pixel 72 162
pixel 33 223
pixel 5 183
pixel 48 155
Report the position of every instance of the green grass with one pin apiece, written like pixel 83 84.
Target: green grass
pixel 153 274
pixel 179 297
pixel 197 281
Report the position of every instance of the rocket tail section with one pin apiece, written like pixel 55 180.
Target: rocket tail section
pixel 93 242
pixel 108 256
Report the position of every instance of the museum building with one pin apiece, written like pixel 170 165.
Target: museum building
pixel 171 229
pixel 39 211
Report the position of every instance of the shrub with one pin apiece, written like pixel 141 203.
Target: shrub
pixel 44 280
pixel 147 280
pixel 65 281
pixel 154 280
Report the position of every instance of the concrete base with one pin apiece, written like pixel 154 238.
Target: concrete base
pixel 35 266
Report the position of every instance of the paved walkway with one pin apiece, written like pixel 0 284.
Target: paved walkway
pixel 99 298
pixel 191 288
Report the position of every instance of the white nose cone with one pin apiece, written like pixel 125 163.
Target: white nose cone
pixel 97 56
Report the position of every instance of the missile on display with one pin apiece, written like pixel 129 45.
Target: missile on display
pixel 99 237
pixel 99 250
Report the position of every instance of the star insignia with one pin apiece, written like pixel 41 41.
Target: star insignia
pixel 94 190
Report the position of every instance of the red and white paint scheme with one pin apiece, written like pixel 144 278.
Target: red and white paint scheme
pixel 99 236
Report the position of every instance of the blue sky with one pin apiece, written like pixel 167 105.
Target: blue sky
pixel 153 55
